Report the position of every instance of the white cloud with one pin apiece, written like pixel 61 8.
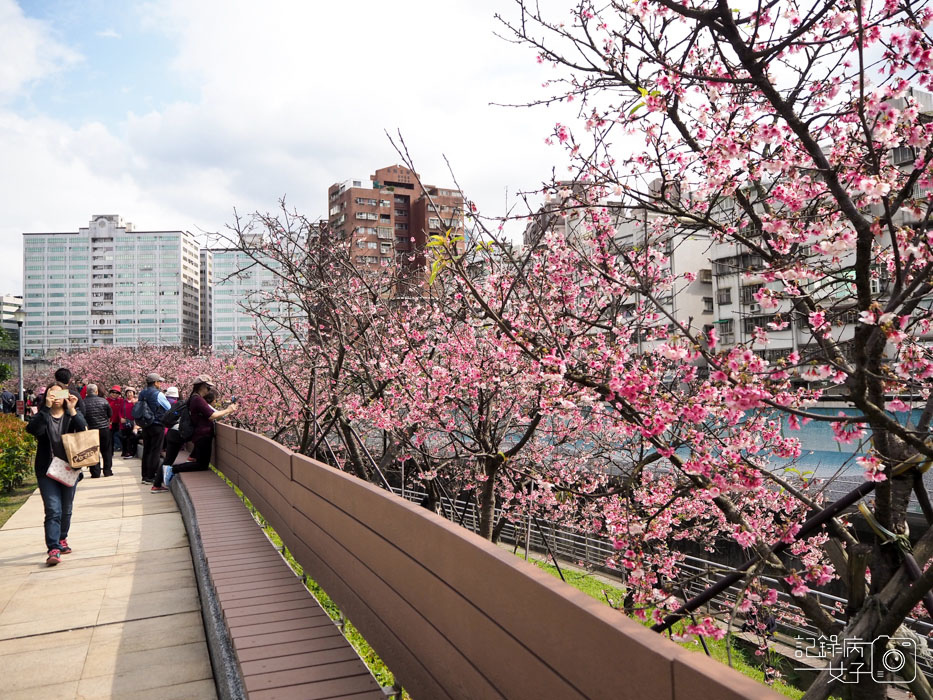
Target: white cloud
pixel 27 52
pixel 306 90
pixel 109 33
pixel 291 97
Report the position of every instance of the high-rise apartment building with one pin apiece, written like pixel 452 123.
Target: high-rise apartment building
pixel 391 215
pixel 9 305
pixel 238 283
pixel 108 284
pixel 207 296
pixel 690 301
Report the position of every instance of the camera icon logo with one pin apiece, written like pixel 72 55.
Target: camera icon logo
pixel 884 660
pixel 894 653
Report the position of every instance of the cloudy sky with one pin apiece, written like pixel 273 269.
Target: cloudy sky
pixel 172 113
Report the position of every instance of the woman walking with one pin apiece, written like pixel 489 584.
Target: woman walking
pixel 58 499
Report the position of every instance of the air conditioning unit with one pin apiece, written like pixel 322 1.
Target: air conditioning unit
pixel 754 308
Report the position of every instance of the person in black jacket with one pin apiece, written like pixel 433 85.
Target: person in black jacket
pixel 48 426
pixel 98 413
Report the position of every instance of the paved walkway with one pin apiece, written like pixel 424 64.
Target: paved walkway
pixel 119 617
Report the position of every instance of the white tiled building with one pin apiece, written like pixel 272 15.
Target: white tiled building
pixel 108 284
pixel 689 302
pixel 237 280
pixel 207 296
pixel 10 304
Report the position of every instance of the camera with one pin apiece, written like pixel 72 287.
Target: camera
pixel 892 658
pixel 233 399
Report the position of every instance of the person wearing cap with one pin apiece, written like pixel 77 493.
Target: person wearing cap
pixel 153 434
pixel 203 417
pixel 171 444
pixel 115 399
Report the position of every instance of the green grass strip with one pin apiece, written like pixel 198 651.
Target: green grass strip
pixel 742 659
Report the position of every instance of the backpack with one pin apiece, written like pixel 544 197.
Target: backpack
pixel 179 414
pixel 142 414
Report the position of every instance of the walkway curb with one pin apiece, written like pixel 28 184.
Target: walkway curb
pixel 227 677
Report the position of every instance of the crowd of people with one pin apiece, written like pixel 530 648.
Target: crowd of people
pixel 66 407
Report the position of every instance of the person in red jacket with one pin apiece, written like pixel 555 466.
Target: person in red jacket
pixel 115 399
pixel 129 431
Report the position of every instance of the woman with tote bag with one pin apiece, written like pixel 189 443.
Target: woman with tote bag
pixel 48 427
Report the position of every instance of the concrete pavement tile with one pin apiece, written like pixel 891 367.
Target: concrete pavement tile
pixel 143 566
pixel 183 664
pixel 150 543
pixel 41 603
pixel 30 669
pixel 145 582
pixel 46 641
pixel 63 621
pixel 55 691
pixel 131 575
pixel 148 633
pixel 196 690
pixel 153 558
pixel 167 658
pixel 64 578
pixel 10 585
pixel 53 576
pixel 149 605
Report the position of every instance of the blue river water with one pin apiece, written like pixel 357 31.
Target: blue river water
pixel 821 454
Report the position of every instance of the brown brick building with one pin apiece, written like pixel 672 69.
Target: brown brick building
pixel 391 216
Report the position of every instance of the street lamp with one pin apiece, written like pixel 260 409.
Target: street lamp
pixel 19 316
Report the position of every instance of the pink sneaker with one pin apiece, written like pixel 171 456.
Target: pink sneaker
pixel 55 557
pixel 63 546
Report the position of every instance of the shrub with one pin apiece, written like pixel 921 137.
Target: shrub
pixel 17 451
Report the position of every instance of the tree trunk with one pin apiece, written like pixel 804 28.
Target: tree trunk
pixel 487 499
pixel 353 454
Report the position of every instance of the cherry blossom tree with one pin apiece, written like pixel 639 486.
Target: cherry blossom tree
pixel 795 136
pixel 396 371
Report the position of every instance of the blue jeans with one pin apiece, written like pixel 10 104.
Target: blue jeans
pixel 58 500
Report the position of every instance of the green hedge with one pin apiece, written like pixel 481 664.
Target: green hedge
pixel 17 452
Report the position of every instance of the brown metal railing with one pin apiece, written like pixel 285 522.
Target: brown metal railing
pixel 451 614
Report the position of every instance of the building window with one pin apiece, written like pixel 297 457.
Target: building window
pixel 750 323
pixel 748 293
pixel 727 331
pixel 707 305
